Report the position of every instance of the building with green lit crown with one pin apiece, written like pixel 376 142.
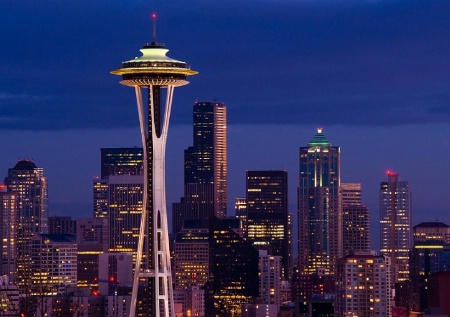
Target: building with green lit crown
pixel 319 206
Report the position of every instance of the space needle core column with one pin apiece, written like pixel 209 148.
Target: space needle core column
pixel 150 73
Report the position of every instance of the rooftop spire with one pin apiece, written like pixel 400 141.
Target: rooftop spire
pixel 154 27
pixel 319 139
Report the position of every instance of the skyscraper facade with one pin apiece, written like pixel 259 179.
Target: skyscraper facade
pixel 205 167
pixel 121 161
pixel 206 160
pixel 191 255
pixel 363 285
pixel 9 222
pixel 319 206
pixel 431 231
pixel 62 225
pixel 29 183
pixel 355 220
pixel 233 273
pixel 119 195
pixel 395 224
pixel 125 196
pixel 54 263
pixel 267 213
pixel 197 203
pixel 270 270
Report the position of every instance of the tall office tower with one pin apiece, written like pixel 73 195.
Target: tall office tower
pixel 395 224
pixel 206 160
pixel 27 181
pixel 54 263
pixel 125 196
pixel 319 206
pixel 355 220
pixel 233 273
pixel 191 256
pixel 270 268
pixel 120 161
pixel 363 285
pixel 62 225
pixel 205 167
pixel 9 222
pixel 150 73
pixel 114 161
pixel 267 213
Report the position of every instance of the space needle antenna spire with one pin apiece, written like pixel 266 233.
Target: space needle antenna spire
pixel 150 75
pixel 154 27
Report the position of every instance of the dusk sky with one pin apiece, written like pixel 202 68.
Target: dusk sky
pixel 374 74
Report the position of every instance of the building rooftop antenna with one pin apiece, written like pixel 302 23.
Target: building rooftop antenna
pixel 154 28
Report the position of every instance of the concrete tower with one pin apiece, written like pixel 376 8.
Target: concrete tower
pixel 150 73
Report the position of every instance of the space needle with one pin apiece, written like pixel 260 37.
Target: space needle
pixel 149 74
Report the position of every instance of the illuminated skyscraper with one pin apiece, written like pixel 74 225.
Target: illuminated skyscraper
pixel 121 161
pixel 267 213
pixel 205 167
pixel 114 161
pixel 125 195
pixel 395 224
pixel 270 269
pixel 363 285
pixel 27 181
pixel 9 221
pixel 233 270
pixel 206 160
pixel 54 263
pixel 191 256
pixel 150 73
pixel 355 220
pixel 319 206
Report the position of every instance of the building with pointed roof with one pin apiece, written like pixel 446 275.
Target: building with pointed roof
pixel 319 206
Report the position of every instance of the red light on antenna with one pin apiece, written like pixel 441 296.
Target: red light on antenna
pixel 154 15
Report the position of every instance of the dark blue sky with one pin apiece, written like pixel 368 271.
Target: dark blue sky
pixel 374 74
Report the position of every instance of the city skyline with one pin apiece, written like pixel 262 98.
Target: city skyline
pixel 374 75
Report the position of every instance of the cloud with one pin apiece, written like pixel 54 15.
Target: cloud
pixel 346 62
